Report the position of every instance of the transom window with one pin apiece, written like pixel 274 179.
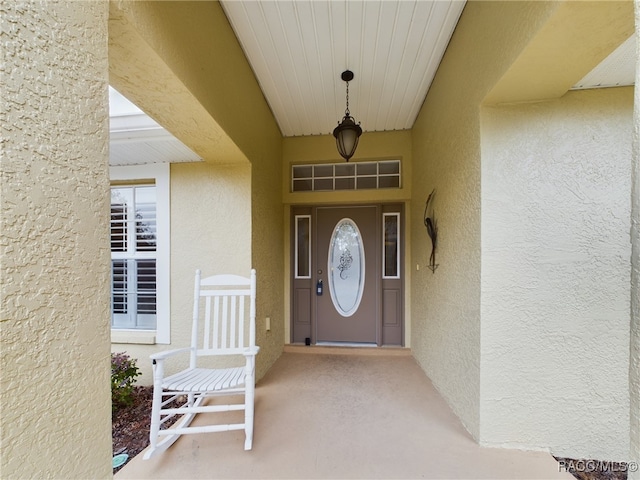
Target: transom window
pixel 345 176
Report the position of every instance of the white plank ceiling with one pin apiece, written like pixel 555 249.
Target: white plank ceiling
pixel 299 48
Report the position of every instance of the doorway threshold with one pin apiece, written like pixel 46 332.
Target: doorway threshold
pixel 347 349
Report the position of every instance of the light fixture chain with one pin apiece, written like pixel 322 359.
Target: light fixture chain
pixel 346 112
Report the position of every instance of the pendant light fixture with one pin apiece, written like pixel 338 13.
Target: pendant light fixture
pixel 347 132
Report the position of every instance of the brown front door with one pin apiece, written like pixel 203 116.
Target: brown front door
pixel 346 283
pixel 347 264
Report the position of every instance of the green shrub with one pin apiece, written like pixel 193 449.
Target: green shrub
pixel 123 376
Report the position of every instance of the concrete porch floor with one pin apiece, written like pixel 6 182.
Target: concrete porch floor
pixel 345 413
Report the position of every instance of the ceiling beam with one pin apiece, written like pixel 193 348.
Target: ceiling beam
pixel 576 38
pixel 140 74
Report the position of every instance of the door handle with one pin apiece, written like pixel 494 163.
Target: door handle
pixel 319 288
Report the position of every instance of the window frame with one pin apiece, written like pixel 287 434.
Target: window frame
pixel 157 174
pixel 384 249
pixel 335 177
pixel 297 246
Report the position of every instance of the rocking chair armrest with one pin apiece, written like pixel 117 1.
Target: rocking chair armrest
pixel 168 353
pixel 251 351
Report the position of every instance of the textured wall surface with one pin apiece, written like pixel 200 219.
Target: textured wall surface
pixel 194 47
pixel 634 359
pixel 448 326
pixel 55 395
pixel 445 305
pixel 555 274
pixel 267 253
pixel 210 230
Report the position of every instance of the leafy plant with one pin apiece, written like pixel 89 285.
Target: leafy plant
pixel 123 376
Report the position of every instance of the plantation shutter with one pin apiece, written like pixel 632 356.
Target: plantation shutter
pixel 133 257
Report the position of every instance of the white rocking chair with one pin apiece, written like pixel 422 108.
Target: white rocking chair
pixel 224 332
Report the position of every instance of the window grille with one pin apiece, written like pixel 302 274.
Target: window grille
pixel 133 257
pixel 345 176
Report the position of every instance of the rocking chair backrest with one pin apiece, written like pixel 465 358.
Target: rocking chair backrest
pixel 229 303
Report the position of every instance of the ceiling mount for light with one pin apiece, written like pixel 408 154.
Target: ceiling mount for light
pixel 347 132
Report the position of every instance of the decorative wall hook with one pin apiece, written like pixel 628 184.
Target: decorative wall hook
pixel 432 230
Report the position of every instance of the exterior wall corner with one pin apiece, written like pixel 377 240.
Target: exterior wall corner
pixel 634 358
pixel 55 388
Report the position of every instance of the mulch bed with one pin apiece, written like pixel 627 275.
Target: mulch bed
pixel 130 425
pixel 130 434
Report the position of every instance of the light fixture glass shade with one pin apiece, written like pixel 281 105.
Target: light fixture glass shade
pixel 347 134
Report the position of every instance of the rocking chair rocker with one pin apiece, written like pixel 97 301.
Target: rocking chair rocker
pixel 223 332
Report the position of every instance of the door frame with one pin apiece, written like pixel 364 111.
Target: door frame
pixel 390 321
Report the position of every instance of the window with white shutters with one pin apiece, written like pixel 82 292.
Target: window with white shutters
pixel 133 257
pixel 140 254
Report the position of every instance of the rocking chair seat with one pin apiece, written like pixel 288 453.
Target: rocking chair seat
pixel 205 380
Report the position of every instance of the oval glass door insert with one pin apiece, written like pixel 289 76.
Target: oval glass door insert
pixel 346 267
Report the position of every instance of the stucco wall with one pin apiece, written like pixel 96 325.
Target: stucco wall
pixel 55 392
pixel 198 56
pixel 267 257
pixel 446 306
pixel 446 157
pixel 634 358
pixel 210 230
pixel 555 274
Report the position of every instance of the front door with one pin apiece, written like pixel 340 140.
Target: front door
pixel 347 283
pixel 347 267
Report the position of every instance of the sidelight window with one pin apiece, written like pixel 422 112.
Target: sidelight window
pixel 303 246
pixel 391 242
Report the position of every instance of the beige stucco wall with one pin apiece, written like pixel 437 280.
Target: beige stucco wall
pixel 446 306
pixel 267 246
pixel 55 393
pixel 181 63
pixel 634 358
pixel 210 230
pixel 446 157
pixel 194 41
pixel 555 274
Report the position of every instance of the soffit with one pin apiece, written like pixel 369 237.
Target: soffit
pixel 136 139
pixel 617 70
pixel 576 38
pixel 298 50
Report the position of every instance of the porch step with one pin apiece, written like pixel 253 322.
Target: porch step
pixel 348 350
